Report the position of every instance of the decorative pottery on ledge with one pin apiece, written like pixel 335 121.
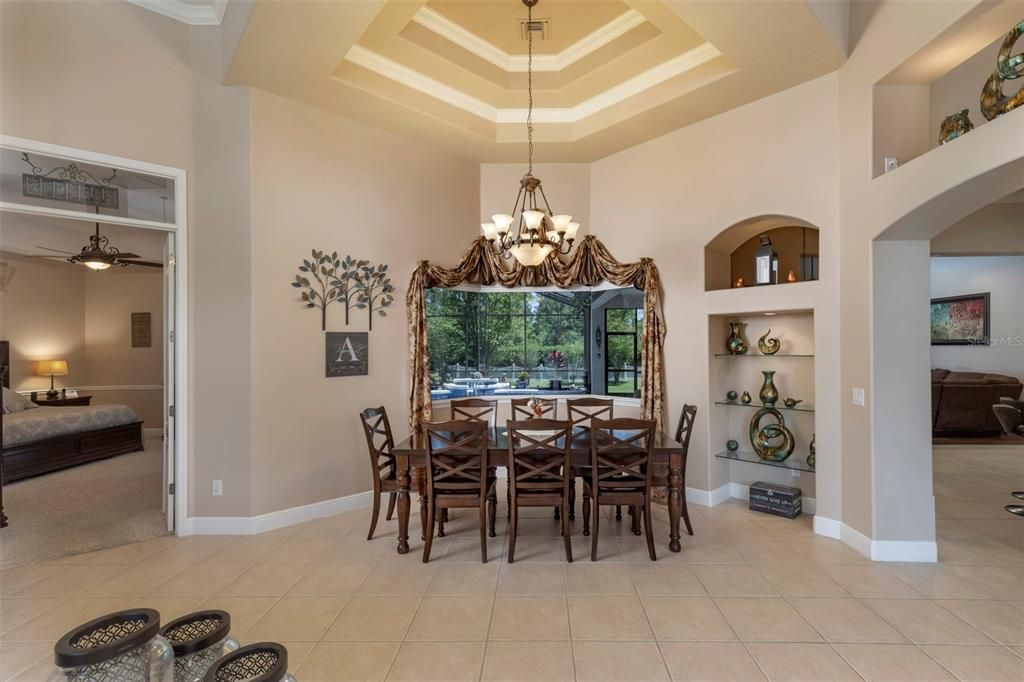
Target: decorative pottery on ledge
pixel 768 346
pixel 735 345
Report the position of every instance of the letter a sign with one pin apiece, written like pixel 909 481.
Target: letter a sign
pixel 347 354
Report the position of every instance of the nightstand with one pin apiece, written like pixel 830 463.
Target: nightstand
pixel 63 402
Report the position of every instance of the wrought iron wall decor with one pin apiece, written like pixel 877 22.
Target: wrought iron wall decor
pixel 1008 67
pixel 351 282
pixel 69 183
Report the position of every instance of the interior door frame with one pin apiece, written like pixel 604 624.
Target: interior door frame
pixel 182 521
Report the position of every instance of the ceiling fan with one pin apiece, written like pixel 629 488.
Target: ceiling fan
pixel 99 255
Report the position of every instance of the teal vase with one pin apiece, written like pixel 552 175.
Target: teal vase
pixel 769 394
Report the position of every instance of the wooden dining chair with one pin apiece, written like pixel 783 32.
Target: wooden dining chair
pixel 539 472
pixel 521 408
pixel 458 475
pixel 475 410
pixel 582 411
pixel 381 445
pixel 684 429
pixel 620 473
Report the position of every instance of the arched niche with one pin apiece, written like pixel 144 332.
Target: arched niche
pixel 730 255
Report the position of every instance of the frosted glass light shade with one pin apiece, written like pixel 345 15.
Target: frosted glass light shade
pixel 561 221
pixel 502 221
pixel 490 231
pixel 533 219
pixel 96 264
pixel 531 254
pixel 571 229
pixel 553 237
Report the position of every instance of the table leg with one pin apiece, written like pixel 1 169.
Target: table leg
pixel 675 500
pixel 402 475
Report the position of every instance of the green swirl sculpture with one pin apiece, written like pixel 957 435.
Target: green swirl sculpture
pixel 993 101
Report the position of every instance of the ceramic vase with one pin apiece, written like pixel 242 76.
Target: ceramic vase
pixel 735 345
pixel 769 394
pixel 745 398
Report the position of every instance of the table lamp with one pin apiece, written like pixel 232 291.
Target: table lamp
pixel 52 368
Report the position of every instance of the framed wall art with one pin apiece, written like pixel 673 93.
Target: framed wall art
pixel 347 354
pixel 960 320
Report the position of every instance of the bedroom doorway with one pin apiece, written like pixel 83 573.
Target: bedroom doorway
pixel 131 258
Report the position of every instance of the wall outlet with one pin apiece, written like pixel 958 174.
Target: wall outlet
pixel 891 163
pixel 858 396
pixel 218 488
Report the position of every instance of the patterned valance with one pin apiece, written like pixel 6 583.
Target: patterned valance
pixel 589 264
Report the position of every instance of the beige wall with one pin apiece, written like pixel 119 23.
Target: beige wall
pixel 323 182
pixel 961 89
pixel 996 229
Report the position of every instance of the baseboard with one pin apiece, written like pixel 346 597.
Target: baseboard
pixel 827 527
pixel 739 491
pixel 707 498
pixel 889 550
pixel 242 525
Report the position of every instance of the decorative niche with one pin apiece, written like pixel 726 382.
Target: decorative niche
pixel 729 258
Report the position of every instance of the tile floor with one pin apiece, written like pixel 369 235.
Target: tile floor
pixel 750 597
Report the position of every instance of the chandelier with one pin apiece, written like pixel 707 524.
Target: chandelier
pixel 537 229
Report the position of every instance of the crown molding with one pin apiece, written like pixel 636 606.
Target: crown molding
pixel 448 29
pixel 644 81
pixel 194 15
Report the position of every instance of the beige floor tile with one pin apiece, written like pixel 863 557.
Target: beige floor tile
pixel 71 583
pixel 52 624
pixel 801 662
pixel 538 548
pixel 694 619
pixel 846 620
pixel 516 661
pixel 1002 621
pixel 298 652
pixel 608 618
pixel 465 548
pixel 609 548
pixel 331 580
pixel 16 610
pixel 709 661
pixel 452 619
pixel 820 550
pixel 18 657
pixel 530 618
pixel 767 551
pixel 464 579
pixel 190 550
pixel 652 579
pixel 343 661
pixel 980 663
pixel 952 553
pixel 937 581
pixel 617 661
pixel 709 553
pixel 925 622
pixel 397 579
pixel 531 579
pixel 300 551
pixel 199 581
pixel 122 555
pixel 359 551
pixel 136 581
pixel 14 579
pixel 169 608
pixel 590 578
pixel 374 619
pixel 765 619
pixel 733 581
pixel 801 581
pixel 450 661
pixel 870 581
pixel 265 581
pixel 245 611
pixel 1004 582
pixel 892 662
pixel 301 619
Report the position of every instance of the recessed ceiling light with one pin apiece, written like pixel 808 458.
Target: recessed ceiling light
pixel 771 314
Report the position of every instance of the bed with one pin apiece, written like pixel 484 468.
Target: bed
pixel 45 439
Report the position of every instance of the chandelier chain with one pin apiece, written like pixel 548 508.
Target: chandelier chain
pixel 529 84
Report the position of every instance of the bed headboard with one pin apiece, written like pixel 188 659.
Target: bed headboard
pixel 5 363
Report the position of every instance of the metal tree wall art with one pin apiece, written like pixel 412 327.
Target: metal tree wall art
pixel 321 291
pixel 346 282
pixel 375 290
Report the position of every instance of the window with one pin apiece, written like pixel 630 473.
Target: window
pixel 519 343
pixel 622 361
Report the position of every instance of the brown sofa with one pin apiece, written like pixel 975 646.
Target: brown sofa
pixel 962 402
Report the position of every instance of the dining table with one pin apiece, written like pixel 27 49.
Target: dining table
pixel 411 458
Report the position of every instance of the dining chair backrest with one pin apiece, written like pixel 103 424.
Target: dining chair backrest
pixel 540 455
pixel 379 441
pixel 620 453
pixel 475 409
pixel 583 411
pixel 685 427
pixel 457 457
pixel 521 408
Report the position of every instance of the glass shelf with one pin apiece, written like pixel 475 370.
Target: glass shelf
pixel 762 355
pixel 792 462
pixel 782 408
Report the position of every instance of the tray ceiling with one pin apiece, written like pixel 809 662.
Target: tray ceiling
pixel 608 74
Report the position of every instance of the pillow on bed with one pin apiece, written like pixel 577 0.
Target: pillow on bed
pixel 15 402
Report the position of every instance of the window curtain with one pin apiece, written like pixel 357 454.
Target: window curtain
pixel 589 264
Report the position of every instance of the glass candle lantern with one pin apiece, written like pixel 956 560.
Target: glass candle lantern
pixel 125 646
pixel 766 263
pixel 266 662
pixel 198 641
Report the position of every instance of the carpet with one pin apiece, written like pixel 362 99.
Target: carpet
pixel 102 504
